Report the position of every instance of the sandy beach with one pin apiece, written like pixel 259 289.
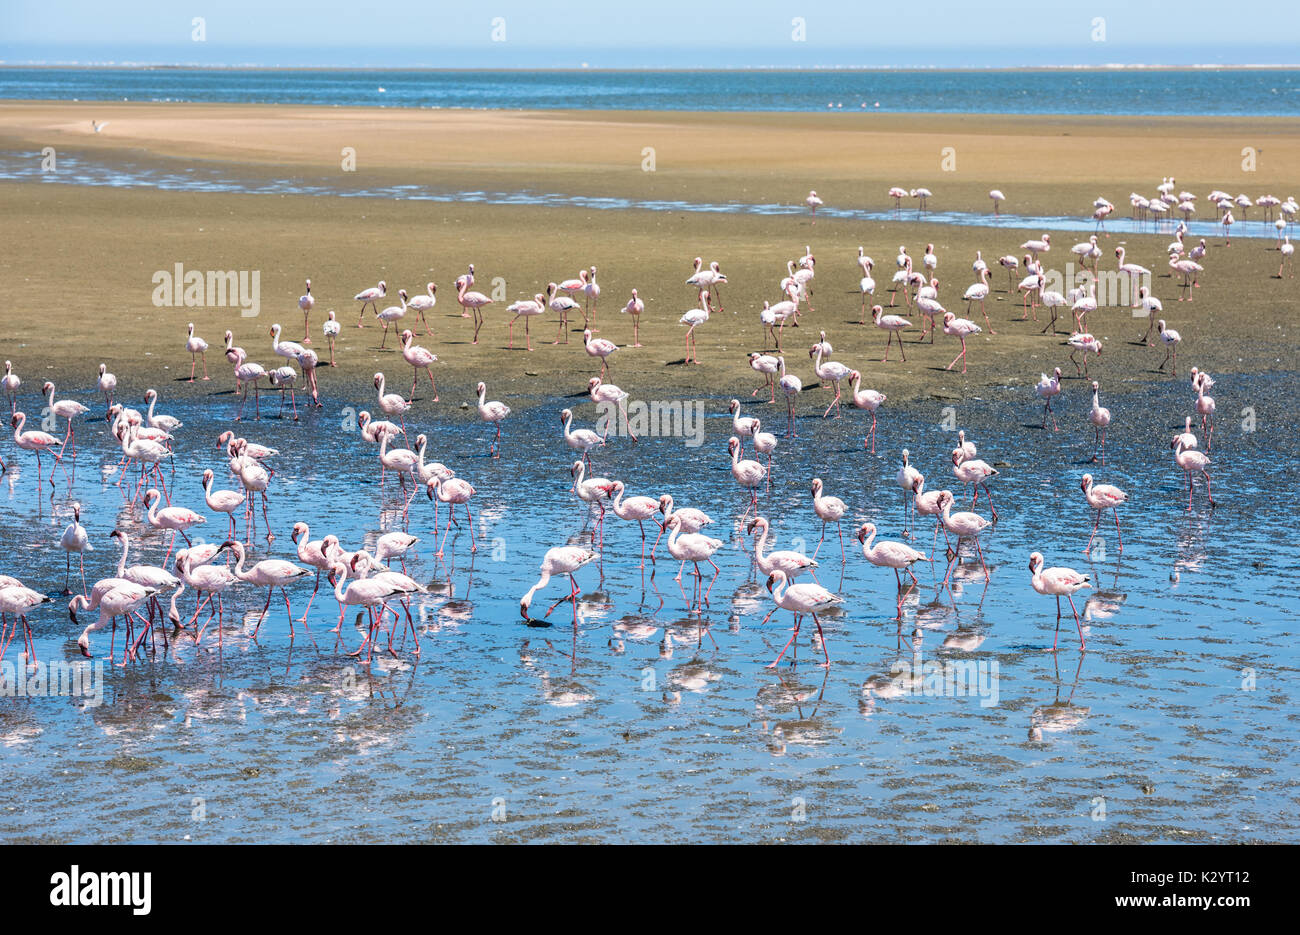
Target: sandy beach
pixel 90 252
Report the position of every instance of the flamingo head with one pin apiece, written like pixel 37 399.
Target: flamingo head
pixel 1095 385
pixel 298 530
pixel 665 503
pixel 379 380
pixel 917 483
pixel 865 530
pixel 481 388
pixel 407 336
pixel 47 388
pixel 566 415
pixel 1085 482
pixel 816 486
pixel 593 383
pixel 207 477
pixel 733 443
pixel 149 395
pixel 1035 562
pixel 733 405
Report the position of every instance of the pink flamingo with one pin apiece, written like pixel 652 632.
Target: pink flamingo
pixel 768 366
pixel 10 383
pixel 791 386
pixel 269 573
pixel 1102 497
pixel 121 598
pixel 1171 340
pixel 420 358
pixel 1046 388
pixel 176 518
pixel 527 309
pixel 196 347
pixel 313 553
pixel 475 302
pixel 828 510
pixel 1088 344
pixel 494 412
pixel 635 509
pixel 692 520
pixel 1056 582
pixel 959 328
pixel 748 474
pixel 1204 406
pixel 930 504
pixel 35 441
pixel 424 303
pixel 391 315
pixel 1099 416
pixel 693 318
pixel 997 197
pixel 66 409
pixel 888 554
pixel 905 477
pixel 306 302
pixel 813 203
pixel 452 490
pixel 562 304
pixel 743 426
pixel 209 581
pixel 801 599
pixel 831 371
pixel 370 593
pixel 635 307
pixel 975 472
pixel 331 329
pixel 582 440
pixel 75 539
pixel 561 560
pixel 1191 461
pixel 892 324
pixel 106 384
pixel 391 403
pixel 963 525
pixel 599 347
pixel 602 394
pixel 693 548
pixel 221 501
pixel 370 297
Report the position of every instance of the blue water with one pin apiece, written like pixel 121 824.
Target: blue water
pixel 637 725
pixel 75 169
pixel 1252 92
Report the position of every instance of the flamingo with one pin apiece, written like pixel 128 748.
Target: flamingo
pixel 592 292
pixel 561 560
pixel 391 403
pixel 159 421
pixel 905 478
pixel 1102 497
pixel 1152 307
pixel 1082 341
pixel 802 279
pixel 1287 251
pixel 801 599
pixel 768 366
pixel 392 315
pixel 871 400
pixel 106 384
pixel 452 490
pixel 635 509
pixel 707 282
pixel 34 441
pixel 930 307
pixel 1087 250
pixel 832 371
pixel 75 539
pixel 196 347
pixel 1056 582
pixel 313 553
pixel 222 501
pixel 370 297
pixel 1191 461
pixel 922 195
pixel 10 383
pixel 978 292
pixel 331 329
pixel 813 203
pixel 421 304
pixel 693 548
pixel 892 325
pixel 66 409
pixel 693 318
pixel 888 554
pixel 1047 387
pixel 401 461
pixel 178 519
pixel 420 358
pixel 527 309
pixel 898 194
pixel 963 525
pixel 765 443
pixel 255 480
pixel 599 347
pixel 207 580
pixel 370 593
pixel 475 302
pixel 1036 247
pixel 929 504
pixel 269 573
pixel 562 304
pixel 828 510
pixel 634 308
pixel 1205 407
pixel 975 472
pixel 959 328
pixel 1012 265
pixel 1099 416
pixel 1171 339
pixel 997 197
pixel 247 372
pixel 401 587
pixel 785 560
pixel 603 394
pixel 149 576
pixel 791 387
pixel 117 598
pixel 748 474
pixel 692 521
pixel 583 439
pixel 494 412
pixel 1031 284
pixel 306 302
pixel 1134 271
pixel 743 426
pixel 1189 270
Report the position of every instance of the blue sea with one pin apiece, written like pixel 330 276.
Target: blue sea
pixel 1272 92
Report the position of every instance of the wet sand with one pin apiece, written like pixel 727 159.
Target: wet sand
pixel 76 285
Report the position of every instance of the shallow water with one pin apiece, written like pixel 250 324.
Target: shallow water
pixel 637 726
pixel 1255 91
pixel 75 169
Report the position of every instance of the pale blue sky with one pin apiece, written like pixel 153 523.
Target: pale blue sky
pixel 668 33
